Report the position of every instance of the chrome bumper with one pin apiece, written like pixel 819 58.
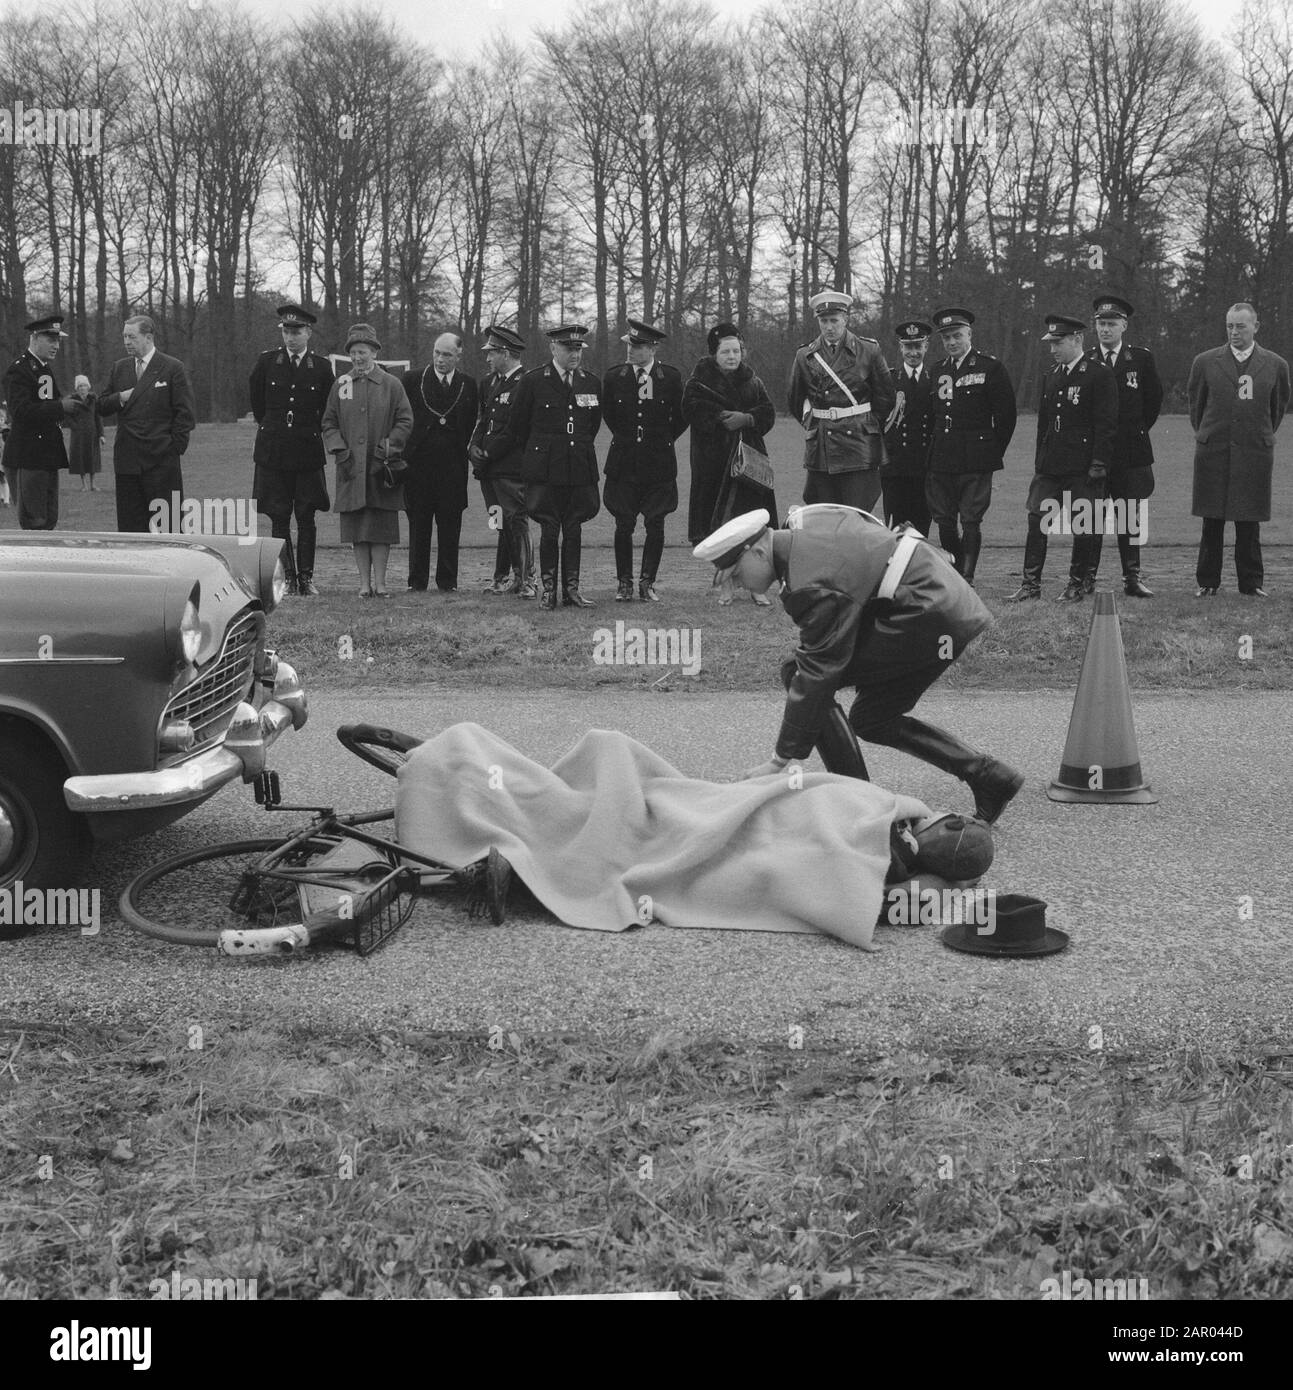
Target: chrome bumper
pixel 241 754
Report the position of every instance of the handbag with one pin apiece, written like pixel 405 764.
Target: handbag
pixel 752 466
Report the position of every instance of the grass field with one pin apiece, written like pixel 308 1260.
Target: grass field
pixel 1173 640
pixel 442 1167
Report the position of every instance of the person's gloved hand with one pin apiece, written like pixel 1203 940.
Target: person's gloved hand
pixel 73 404
pixel 733 419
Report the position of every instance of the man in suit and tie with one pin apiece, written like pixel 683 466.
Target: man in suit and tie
pixel 1131 472
pixel 909 431
pixel 35 451
pixel 151 395
pixel 1238 396
pixel 445 403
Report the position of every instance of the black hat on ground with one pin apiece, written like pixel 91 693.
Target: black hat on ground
pixel 1017 928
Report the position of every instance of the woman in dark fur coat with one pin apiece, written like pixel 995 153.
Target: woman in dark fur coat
pixel 724 401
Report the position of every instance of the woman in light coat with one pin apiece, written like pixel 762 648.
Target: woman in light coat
pixel 365 425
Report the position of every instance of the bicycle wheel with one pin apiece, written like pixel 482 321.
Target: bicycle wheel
pixel 191 898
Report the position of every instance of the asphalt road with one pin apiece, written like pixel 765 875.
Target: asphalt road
pixel 1151 896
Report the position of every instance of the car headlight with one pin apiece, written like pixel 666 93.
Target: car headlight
pixel 190 633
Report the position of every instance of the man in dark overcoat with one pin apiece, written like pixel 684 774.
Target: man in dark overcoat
pixel 289 391
pixel 876 611
pixel 910 431
pixel 445 404
pixel 974 422
pixel 642 406
pixel 149 392
pixel 1238 396
pixel 1076 424
pixel 35 451
pixel 1131 472
pixel 556 413
pixel 841 389
pixel 496 463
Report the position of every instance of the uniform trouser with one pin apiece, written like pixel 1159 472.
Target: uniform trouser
pixel 515 551
pixel 446 519
pixel 963 496
pixel 140 495
pixel 905 500
pixel 1128 554
pixel 1248 554
pixel 652 549
pixel 37 498
pixel 859 488
pixel 307 533
pixel 1045 520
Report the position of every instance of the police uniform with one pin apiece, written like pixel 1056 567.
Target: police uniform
pixel 35 451
pixel 288 399
pixel 974 422
pixel 555 423
pixel 907 441
pixel 1076 424
pixel 843 395
pixel 642 406
pixel 1131 470
pixel 496 462
pixel 875 612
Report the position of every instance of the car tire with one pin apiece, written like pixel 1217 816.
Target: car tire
pixel 42 843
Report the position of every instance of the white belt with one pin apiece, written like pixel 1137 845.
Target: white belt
pixel 841 412
pixel 898 563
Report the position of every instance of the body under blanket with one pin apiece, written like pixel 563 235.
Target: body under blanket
pixel 611 836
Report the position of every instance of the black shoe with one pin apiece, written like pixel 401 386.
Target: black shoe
pixel 1024 592
pixel 572 597
pixel 624 593
pixel 1136 587
pixel 305 585
pixel 994 786
pixel 499 586
pixel 1205 592
pixel 548 599
pixel 1074 592
pixel 1254 593
pixel 1088 584
pixel 646 591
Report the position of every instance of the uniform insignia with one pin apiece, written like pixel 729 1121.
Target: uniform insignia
pixel 586 398
pixel 972 379
pixel 1132 382
pixel 1075 394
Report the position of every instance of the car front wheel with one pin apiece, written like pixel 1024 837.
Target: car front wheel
pixel 42 843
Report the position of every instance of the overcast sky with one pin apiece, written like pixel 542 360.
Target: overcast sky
pixel 459 26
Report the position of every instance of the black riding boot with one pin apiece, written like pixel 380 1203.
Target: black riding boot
pixel 950 541
pixel 971 543
pixel 1034 560
pixel 993 783
pixel 306 537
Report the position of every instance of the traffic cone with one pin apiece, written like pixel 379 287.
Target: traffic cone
pixel 1101 761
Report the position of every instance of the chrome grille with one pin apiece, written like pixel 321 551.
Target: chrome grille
pixel 209 702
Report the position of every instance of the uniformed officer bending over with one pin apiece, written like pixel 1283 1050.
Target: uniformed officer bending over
pixel 556 413
pixel 1076 423
pixel 841 389
pixel 1131 471
pixel 289 391
pixel 884 614
pixel 909 432
pixel 642 405
pixel 496 462
pixel 35 451
pixel 974 422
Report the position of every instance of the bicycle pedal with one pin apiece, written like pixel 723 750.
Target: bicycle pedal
pixel 268 792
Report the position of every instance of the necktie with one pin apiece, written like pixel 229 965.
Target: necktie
pixel 444 383
pixel 1108 359
pixel 568 378
pixel 139 367
pixel 296 361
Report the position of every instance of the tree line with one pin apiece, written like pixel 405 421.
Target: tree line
pixel 1013 156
